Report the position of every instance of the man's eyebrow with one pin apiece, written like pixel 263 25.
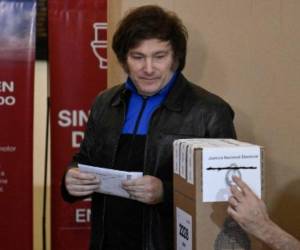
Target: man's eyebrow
pixel 166 51
pixel 136 53
pixel 162 52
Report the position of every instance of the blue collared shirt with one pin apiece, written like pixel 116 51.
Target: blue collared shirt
pixel 140 109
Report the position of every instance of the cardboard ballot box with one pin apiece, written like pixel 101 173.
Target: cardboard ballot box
pixel 203 169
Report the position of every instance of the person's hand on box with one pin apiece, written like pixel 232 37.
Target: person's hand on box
pixel 250 213
pixel 247 209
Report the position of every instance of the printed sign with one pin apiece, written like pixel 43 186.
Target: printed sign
pixel 183 230
pixel 17 54
pixel 220 164
pixel 78 62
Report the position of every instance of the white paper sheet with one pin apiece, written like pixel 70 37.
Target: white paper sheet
pixel 111 180
pixel 219 164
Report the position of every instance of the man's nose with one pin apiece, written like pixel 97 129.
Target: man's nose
pixel 148 67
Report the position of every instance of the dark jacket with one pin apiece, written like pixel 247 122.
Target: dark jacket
pixel 188 111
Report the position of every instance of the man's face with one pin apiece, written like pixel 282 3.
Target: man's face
pixel 150 65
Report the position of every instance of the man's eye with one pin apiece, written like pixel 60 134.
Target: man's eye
pixel 137 57
pixel 159 57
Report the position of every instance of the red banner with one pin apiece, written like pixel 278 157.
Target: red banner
pixel 77 46
pixel 17 41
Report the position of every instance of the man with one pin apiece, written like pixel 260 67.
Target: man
pixel 132 127
pixel 251 214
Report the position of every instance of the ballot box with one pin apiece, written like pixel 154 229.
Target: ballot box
pixel 203 170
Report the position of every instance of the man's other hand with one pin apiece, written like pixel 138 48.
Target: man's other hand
pixel 81 184
pixel 147 189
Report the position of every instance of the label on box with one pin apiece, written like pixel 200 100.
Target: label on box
pixel 183 230
pixel 220 164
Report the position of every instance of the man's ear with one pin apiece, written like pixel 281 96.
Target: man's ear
pixel 175 64
pixel 124 66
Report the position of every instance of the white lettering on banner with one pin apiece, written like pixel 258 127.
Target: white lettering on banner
pixel 83 215
pixel 73 118
pixel 7 86
pixel 67 118
pixel 8 148
pixel 7 100
pixel 3 180
pixel 77 137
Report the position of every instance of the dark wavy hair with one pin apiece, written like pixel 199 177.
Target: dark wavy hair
pixel 150 22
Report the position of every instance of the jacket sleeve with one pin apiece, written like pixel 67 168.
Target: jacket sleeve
pixel 83 155
pixel 167 203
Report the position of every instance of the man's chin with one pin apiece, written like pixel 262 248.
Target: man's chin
pixel 147 92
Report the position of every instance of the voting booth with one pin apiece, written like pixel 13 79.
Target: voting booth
pixel 203 170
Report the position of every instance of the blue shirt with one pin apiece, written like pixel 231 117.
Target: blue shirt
pixel 140 109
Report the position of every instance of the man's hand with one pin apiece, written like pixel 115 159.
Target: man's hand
pixel 81 184
pixel 147 189
pixel 247 209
